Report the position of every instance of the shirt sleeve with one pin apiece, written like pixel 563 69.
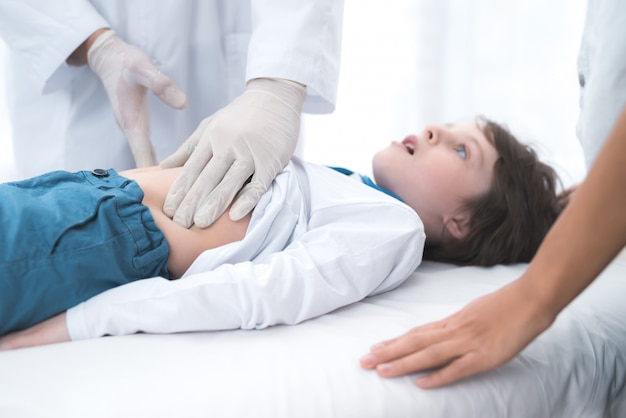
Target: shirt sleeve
pixel 341 259
pixel 305 48
pixel 45 33
pixel 602 74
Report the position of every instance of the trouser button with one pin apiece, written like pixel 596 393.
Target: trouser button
pixel 99 172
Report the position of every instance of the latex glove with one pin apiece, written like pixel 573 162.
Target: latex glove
pixel 485 334
pixel 127 73
pixel 255 135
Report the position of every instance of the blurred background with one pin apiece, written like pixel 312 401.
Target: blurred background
pixel 408 63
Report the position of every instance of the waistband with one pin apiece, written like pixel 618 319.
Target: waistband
pixel 152 247
pixel 108 178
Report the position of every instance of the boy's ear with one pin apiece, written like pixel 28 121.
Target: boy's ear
pixel 457 225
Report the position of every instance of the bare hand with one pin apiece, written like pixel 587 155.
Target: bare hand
pixel 50 331
pixel 485 334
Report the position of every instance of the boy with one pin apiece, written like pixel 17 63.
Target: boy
pixel 318 240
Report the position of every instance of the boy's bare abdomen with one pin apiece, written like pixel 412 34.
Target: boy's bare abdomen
pixel 185 244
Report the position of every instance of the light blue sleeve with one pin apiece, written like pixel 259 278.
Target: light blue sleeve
pixel 602 74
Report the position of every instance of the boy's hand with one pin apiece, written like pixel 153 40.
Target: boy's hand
pixel 50 331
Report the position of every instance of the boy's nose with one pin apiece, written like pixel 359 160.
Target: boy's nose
pixel 432 135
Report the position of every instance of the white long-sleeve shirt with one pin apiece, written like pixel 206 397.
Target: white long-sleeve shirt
pixel 209 48
pixel 318 240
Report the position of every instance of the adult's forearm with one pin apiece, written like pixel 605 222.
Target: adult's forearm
pixel 590 232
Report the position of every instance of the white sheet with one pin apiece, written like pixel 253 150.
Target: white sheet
pixel 576 369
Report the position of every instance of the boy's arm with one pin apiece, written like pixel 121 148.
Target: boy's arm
pixel 52 330
pixel 341 258
pixel 493 329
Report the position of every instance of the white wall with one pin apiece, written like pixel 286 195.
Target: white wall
pixel 407 63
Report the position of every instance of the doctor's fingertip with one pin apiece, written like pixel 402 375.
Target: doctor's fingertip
pixel 242 206
pixel 169 207
pixel 175 97
pixel 206 215
pixel 202 221
pixel 183 219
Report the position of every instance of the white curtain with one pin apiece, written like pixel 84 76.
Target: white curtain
pixel 407 63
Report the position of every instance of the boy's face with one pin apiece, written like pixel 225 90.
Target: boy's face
pixel 436 171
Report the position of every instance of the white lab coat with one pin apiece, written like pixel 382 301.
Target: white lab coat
pixel 602 74
pixel 318 240
pixel 60 115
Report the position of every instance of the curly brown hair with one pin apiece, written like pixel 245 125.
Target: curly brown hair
pixel 509 221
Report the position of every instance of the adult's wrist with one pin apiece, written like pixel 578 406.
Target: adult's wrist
pixel 79 56
pixel 544 306
pixel 290 92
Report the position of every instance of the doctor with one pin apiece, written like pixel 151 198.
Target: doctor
pixel 216 85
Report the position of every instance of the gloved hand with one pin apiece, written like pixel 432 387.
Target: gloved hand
pixel 255 135
pixel 127 73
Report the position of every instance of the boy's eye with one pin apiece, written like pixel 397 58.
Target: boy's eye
pixel 460 149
